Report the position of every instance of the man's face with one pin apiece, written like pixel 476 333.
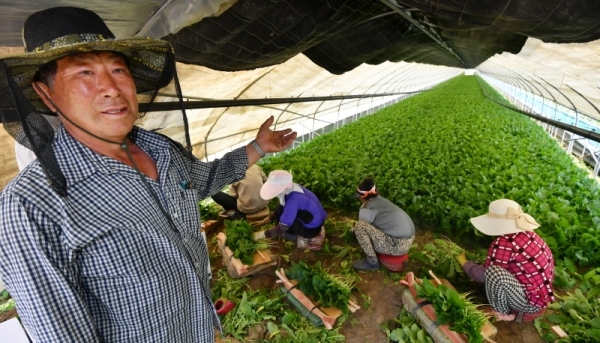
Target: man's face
pixel 96 92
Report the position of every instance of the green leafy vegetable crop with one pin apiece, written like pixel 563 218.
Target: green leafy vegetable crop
pixel 327 288
pixel 444 155
pixel 209 210
pixel 454 309
pixel 577 313
pixel 239 240
pixel 407 331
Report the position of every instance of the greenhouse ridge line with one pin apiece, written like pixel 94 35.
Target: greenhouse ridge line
pixel 194 105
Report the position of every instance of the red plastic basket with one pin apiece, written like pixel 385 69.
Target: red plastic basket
pixel 391 262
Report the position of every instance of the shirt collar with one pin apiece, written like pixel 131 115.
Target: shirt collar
pixel 78 162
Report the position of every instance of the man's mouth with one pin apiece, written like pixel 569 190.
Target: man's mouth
pixel 116 110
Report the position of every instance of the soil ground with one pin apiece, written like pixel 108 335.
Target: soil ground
pixel 378 293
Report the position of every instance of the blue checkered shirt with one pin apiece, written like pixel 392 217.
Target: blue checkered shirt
pixel 103 264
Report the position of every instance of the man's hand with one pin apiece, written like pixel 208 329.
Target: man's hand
pixel 461 258
pixel 269 141
pixel 274 141
pixel 257 236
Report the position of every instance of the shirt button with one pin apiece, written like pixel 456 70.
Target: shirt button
pixel 174 214
pixel 197 265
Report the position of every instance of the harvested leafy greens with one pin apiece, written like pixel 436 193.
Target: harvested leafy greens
pixel 239 240
pixel 454 309
pixel 327 288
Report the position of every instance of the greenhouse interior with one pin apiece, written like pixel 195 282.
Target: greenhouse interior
pixel 441 109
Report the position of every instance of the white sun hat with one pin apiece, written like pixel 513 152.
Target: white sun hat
pixel 504 217
pixel 277 183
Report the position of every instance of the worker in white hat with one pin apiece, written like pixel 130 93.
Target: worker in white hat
pixel 519 269
pixel 299 211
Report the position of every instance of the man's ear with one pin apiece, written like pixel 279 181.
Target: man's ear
pixel 44 92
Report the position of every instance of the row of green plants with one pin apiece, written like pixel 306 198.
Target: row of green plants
pixel 444 155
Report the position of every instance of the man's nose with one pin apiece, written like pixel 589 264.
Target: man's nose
pixel 108 85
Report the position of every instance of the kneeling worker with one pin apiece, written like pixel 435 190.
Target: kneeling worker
pixel 519 268
pixel 244 196
pixel 299 212
pixel 382 227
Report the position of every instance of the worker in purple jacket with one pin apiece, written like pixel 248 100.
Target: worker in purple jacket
pixel 299 211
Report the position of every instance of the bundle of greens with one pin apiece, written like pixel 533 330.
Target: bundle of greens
pixel 239 240
pixel 209 210
pixel 440 257
pixel 326 288
pixel 454 309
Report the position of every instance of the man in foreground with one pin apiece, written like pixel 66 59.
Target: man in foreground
pixel 100 235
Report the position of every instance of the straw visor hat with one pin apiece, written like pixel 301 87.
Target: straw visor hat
pixel 61 31
pixel 504 217
pixel 277 183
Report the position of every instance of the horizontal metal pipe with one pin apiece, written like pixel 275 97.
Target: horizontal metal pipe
pixel 194 105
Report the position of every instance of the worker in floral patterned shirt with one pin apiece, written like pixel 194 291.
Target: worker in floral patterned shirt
pixel 519 269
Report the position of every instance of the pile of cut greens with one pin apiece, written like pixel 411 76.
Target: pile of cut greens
pixel 439 256
pixel 257 307
pixel 240 241
pixel 326 288
pixel 209 210
pixel 454 309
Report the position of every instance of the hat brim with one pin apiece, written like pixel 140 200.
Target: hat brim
pixel 148 63
pixel 495 226
pixel 269 190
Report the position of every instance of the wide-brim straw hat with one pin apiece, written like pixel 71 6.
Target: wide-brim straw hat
pixel 57 32
pixel 277 182
pixel 54 33
pixel 504 217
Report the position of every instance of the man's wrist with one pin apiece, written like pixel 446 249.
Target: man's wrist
pixel 257 147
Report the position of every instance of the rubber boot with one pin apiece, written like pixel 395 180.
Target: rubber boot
pixel 370 263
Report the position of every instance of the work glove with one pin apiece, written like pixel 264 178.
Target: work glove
pixel 257 236
pixel 461 258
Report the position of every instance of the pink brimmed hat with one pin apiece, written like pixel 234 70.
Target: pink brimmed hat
pixel 277 183
pixel 504 217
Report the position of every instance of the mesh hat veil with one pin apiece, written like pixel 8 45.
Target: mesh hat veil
pixel 54 33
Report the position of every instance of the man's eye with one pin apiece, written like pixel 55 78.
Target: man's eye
pixel 86 72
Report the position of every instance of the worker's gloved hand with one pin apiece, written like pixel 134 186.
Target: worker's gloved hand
pixel 257 236
pixel 461 258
